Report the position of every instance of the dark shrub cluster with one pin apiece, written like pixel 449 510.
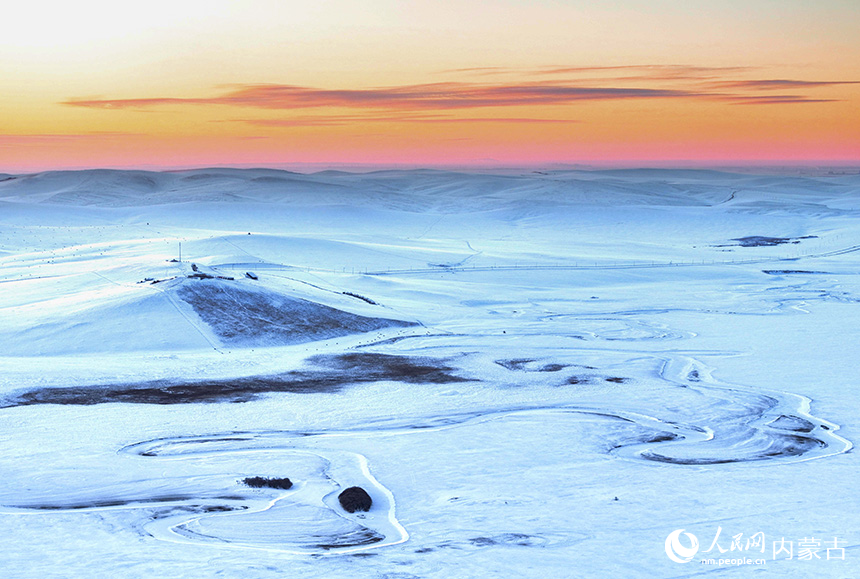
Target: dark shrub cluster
pixel 258 482
pixel 355 499
pixel 361 297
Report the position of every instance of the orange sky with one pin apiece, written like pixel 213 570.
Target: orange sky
pixel 99 83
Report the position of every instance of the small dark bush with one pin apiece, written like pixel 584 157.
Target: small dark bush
pixel 361 297
pixel 259 482
pixel 355 499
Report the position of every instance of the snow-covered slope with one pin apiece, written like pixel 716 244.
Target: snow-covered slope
pixel 530 373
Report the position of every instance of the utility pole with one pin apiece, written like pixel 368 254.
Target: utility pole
pixel 180 252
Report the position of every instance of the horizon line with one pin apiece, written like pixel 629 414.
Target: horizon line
pixel 358 167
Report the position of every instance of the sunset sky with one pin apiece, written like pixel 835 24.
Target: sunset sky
pixel 282 83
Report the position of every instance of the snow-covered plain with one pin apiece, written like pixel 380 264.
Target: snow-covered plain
pixel 533 374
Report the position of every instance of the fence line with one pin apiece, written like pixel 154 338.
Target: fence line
pixel 547 267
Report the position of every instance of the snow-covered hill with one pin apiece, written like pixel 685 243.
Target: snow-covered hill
pixel 528 372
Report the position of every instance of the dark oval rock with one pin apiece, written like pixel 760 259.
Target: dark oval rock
pixel 355 499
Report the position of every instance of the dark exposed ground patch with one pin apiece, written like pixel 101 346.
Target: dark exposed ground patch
pixel 511 539
pixel 100 504
pixel 762 241
pixel 259 482
pixel 523 365
pixel 788 445
pixel 551 368
pixel 790 271
pixel 195 509
pixel 201 275
pixel 357 538
pixel 641 436
pixel 793 423
pixel 373 367
pixel 616 379
pixel 663 437
pixel 333 372
pixel 245 317
pixel 396 339
pixel 578 380
pixel 481 541
pixel 514 364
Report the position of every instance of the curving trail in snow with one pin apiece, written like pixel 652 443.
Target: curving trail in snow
pixel 306 519
pixel 761 425
pixel 762 428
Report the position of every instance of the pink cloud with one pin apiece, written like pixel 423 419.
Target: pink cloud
pixel 437 96
pixel 779 84
pixel 697 84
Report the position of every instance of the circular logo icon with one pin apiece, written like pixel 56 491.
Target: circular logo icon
pixel 678 552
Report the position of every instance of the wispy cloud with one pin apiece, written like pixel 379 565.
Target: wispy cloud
pixel 777 100
pixel 778 84
pixel 437 96
pixel 138 103
pixel 649 71
pixel 682 82
pixel 618 73
pixel 341 120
